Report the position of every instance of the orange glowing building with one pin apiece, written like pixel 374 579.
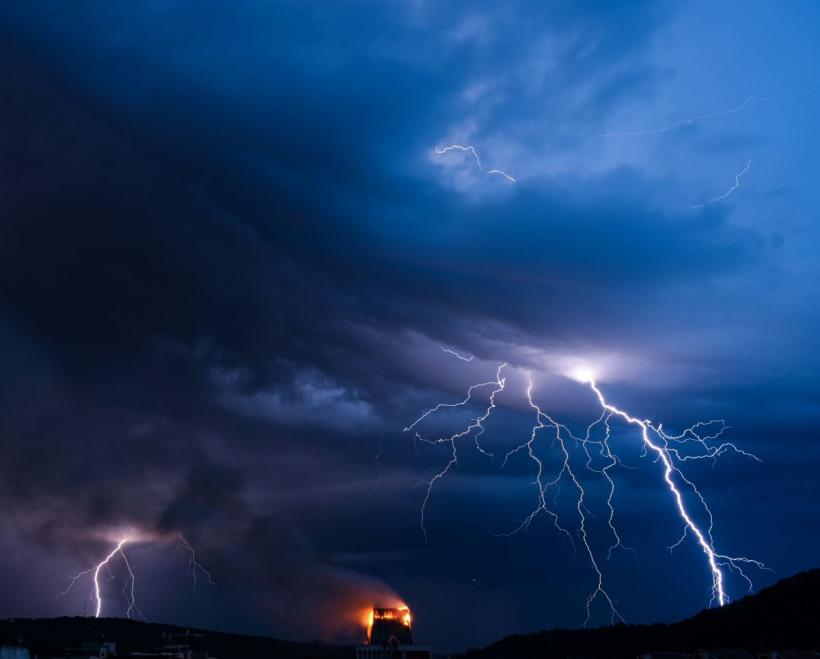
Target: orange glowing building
pixel 389 636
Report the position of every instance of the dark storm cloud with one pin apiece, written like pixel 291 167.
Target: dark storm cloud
pixel 133 401
pixel 253 191
pixel 229 257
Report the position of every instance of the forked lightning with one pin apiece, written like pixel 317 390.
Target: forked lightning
pixel 702 440
pixel 129 584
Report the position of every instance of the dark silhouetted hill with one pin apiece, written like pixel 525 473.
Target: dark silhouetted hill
pixel 49 636
pixel 781 617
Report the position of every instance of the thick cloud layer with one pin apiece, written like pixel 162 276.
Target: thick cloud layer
pixel 231 256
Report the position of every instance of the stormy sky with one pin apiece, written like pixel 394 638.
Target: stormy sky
pixel 230 256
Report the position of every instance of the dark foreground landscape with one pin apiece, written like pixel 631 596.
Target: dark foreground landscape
pixel 52 637
pixel 785 616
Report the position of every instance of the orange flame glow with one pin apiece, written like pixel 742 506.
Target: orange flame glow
pixel 400 612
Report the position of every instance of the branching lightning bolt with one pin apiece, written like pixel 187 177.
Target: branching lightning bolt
pixel 562 434
pixel 723 196
pixel 193 565
pixel 671 472
pixel 476 425
pixel 471 149
pixel 129 585
pixel 702 440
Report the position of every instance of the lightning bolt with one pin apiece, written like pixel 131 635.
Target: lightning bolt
pixel 748 102
pixel 562 434
pixel 671 474
pixel 703 440
pixel 738 176
pixel 472 149
pixel 476 425
pixel 128 588
pixel 458 355
pixel 129 585
pixel 751 100
pixel 193 565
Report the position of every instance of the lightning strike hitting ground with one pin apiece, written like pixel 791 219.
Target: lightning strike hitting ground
pixel 701 441
pixel 738 176
pixel 471 149
pixel 129 584
pixel 660 446
pixel 128 587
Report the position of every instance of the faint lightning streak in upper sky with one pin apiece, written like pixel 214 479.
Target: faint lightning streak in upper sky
pixel 723 196
pixel 471 149
pixel 458 355
pixel 750 101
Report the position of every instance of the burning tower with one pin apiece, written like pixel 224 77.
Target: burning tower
pixel 389 636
